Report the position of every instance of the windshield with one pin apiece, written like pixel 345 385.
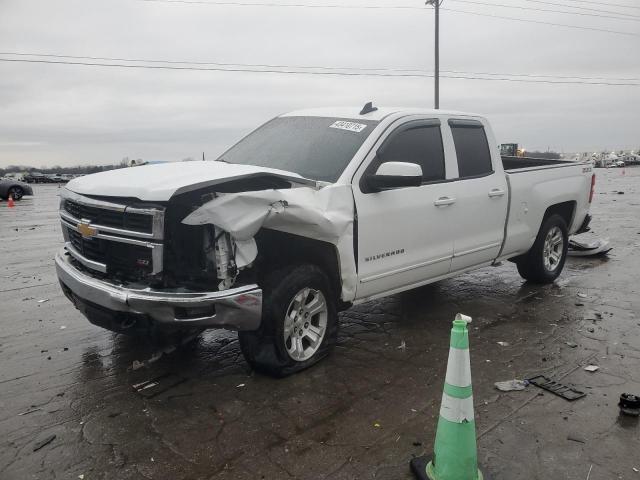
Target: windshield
pixel 318 148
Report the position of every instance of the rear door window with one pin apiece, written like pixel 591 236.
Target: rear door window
pixel 472 148
pixel 417 142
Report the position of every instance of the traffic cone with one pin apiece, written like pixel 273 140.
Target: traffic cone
pixel 455 455
pixel 10 203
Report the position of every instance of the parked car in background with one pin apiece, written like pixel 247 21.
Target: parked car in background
pixel 34 177
pixel 15 188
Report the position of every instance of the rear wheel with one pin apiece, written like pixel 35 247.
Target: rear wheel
pixel 545 261
pixel 16 193
pixel 299 322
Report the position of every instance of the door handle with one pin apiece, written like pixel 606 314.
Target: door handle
pixel 444 201
pixel 496 192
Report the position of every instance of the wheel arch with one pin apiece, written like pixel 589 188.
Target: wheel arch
pixel 566 210
pixel 277 249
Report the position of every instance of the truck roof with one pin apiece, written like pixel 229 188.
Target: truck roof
pixel 379 114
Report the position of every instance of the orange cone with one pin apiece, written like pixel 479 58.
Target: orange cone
pixel 10 203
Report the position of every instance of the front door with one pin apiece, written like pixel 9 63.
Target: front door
pixel 403 233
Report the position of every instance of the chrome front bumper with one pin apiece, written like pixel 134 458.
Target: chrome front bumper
pixel 237 308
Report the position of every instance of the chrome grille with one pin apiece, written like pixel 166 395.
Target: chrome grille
pixel 110 218
pixel 116 239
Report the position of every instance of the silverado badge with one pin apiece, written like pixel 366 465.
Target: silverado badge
pixel 86 230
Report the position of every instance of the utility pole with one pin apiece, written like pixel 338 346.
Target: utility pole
pixel 436 75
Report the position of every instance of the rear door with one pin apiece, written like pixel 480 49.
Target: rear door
pixel 403 237
pixel 481 194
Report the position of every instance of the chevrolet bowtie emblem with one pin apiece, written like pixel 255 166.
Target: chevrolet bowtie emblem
pixel 86 230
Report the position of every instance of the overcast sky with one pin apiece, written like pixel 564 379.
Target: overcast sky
pixel 67 114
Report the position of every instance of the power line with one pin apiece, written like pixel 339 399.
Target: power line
pixel 379 7
pixel 313 67
pixel 285 5
pixel 616 32
pixel 600 3
pixel 532 75
pixel 583 8
pixel 297 72
pixel 621 16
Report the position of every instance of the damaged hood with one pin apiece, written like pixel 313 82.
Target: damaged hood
pixel 158 183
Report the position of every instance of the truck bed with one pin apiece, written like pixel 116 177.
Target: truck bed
pixel 517 163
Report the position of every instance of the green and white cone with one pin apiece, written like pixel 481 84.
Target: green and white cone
pixel 455 453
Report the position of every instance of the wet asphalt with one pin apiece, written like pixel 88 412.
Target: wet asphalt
pixel 68 408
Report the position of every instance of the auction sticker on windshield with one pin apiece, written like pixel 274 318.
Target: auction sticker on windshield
pixel 351 126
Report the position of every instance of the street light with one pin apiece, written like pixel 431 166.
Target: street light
pixel 436 75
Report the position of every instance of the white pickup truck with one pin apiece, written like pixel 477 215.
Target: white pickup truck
pixel 314 211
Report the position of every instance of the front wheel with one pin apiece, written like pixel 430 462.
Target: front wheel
pixel 299 322
pixel 16 193
pixel 545 261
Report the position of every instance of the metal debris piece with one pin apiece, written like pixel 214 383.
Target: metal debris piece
pixel 582 295
pixel 156 386
pixel 557 388
pixel 571 344
pixel 29 411
pixel 503 344
pixel 630 404
pixel 585 249
pixel 591 368
pixel 136 365
pixel 575 439
pixel 44 442
pixel 511 385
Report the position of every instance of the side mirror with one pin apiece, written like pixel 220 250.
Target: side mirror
pixel 395 175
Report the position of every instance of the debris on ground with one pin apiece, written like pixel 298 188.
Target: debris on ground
pixel 630 404
pixel 43 300
pixel 241 385
pixel 136 365
pixel 44 442
pixel 582 295
pixel 571 344
pixel 557 388
pixel 156 386
pixel 511 385
pixel 402 346
pixel 591 368
pixel 28 412
pixel 503 344
pixel 573 438
pixel 585 249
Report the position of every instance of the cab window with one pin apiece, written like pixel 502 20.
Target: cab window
pixel 417 142
pixel 472 148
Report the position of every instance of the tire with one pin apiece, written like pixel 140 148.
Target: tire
pixel 16 192
pixel 283 344
pixel 545 261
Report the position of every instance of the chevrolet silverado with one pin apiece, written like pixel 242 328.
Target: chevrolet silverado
pixel 311 213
